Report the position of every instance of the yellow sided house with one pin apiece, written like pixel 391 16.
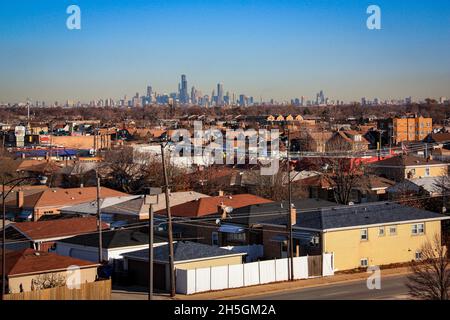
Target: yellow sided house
pixel 374 234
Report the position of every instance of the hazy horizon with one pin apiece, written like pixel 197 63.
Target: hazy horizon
pixel 269 49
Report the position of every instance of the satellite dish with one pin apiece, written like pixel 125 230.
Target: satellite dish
pixel 228 209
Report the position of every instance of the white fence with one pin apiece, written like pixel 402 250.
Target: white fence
pixel 248 274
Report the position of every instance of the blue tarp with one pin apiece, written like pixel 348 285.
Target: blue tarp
pixel 230 229
pixel 43 153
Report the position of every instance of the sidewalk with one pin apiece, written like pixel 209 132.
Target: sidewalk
pixel 287 286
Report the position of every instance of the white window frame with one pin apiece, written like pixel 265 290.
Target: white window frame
pixel 390 230
pixel 418 253
pixel 363 265
pixel 416 230
pixel 362 232
pixel 381 234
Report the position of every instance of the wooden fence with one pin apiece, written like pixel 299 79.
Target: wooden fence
pixel 99 290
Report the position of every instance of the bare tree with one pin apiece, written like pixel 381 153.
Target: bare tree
pixel 430 278
pixel 124 170
pixel 47 281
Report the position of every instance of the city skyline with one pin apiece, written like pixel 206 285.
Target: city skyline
pixel 219 97
pixel 260 48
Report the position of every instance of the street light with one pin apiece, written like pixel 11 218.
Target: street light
pixel 13 183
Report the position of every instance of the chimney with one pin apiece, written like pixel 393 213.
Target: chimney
pixel 221 193
pixel 293 216
pixel 19 199
pixel 221 211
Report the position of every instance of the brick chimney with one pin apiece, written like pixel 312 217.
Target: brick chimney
pixel 19 199
pixel 293 216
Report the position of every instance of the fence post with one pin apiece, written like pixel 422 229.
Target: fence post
pixel 275 261
pixel 259 272
pixel 195 280
pixel 228 279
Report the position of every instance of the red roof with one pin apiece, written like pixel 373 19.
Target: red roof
pixel 59 228
pixel 58 197
pixel 209 205
pixel 29 261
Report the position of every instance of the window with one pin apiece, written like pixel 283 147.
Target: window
pixel 417 228
pixel 215 238
pixel 381 231
pixel 392 230
pixel 364 235
pixel 236 236
pixel 364 262
pixel 427 172
pixel 418 255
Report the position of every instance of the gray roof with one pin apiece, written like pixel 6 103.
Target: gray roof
pixel 183 251
pixel 360 215
pixel 260 213
pixel 132 205
pixel 90 207
pixel 114 238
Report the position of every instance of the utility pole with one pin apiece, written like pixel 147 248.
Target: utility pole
pixel 379 145
pixel 99 222
pixel 3 241
pixel 169 217
pixel 150 238
pixel 291 243
pixel 150 248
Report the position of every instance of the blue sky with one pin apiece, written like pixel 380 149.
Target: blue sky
pixel 275 49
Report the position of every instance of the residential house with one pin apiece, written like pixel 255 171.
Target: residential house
pixel 211 207
pixel 347 140
pixel 310 140
pixel 441 140
pixel 243 226
pixel 28 269
pixel 373 234
pixel 406 128
pixel 42 235
pixel 409 167
pixel 114 244
pixel 124 210
pixel 49 202
pixel 187 255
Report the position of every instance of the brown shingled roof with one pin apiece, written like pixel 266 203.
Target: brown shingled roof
pixel 205 206
pixel 29 261
pixel 59 228
pixel 406 161
pixel 58 197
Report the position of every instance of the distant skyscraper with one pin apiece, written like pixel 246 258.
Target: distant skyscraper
pixel 193 95
pixel 184 96
pixel 149 91
pixel 220 94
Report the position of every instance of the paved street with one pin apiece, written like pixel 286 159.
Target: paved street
pixel 392 287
